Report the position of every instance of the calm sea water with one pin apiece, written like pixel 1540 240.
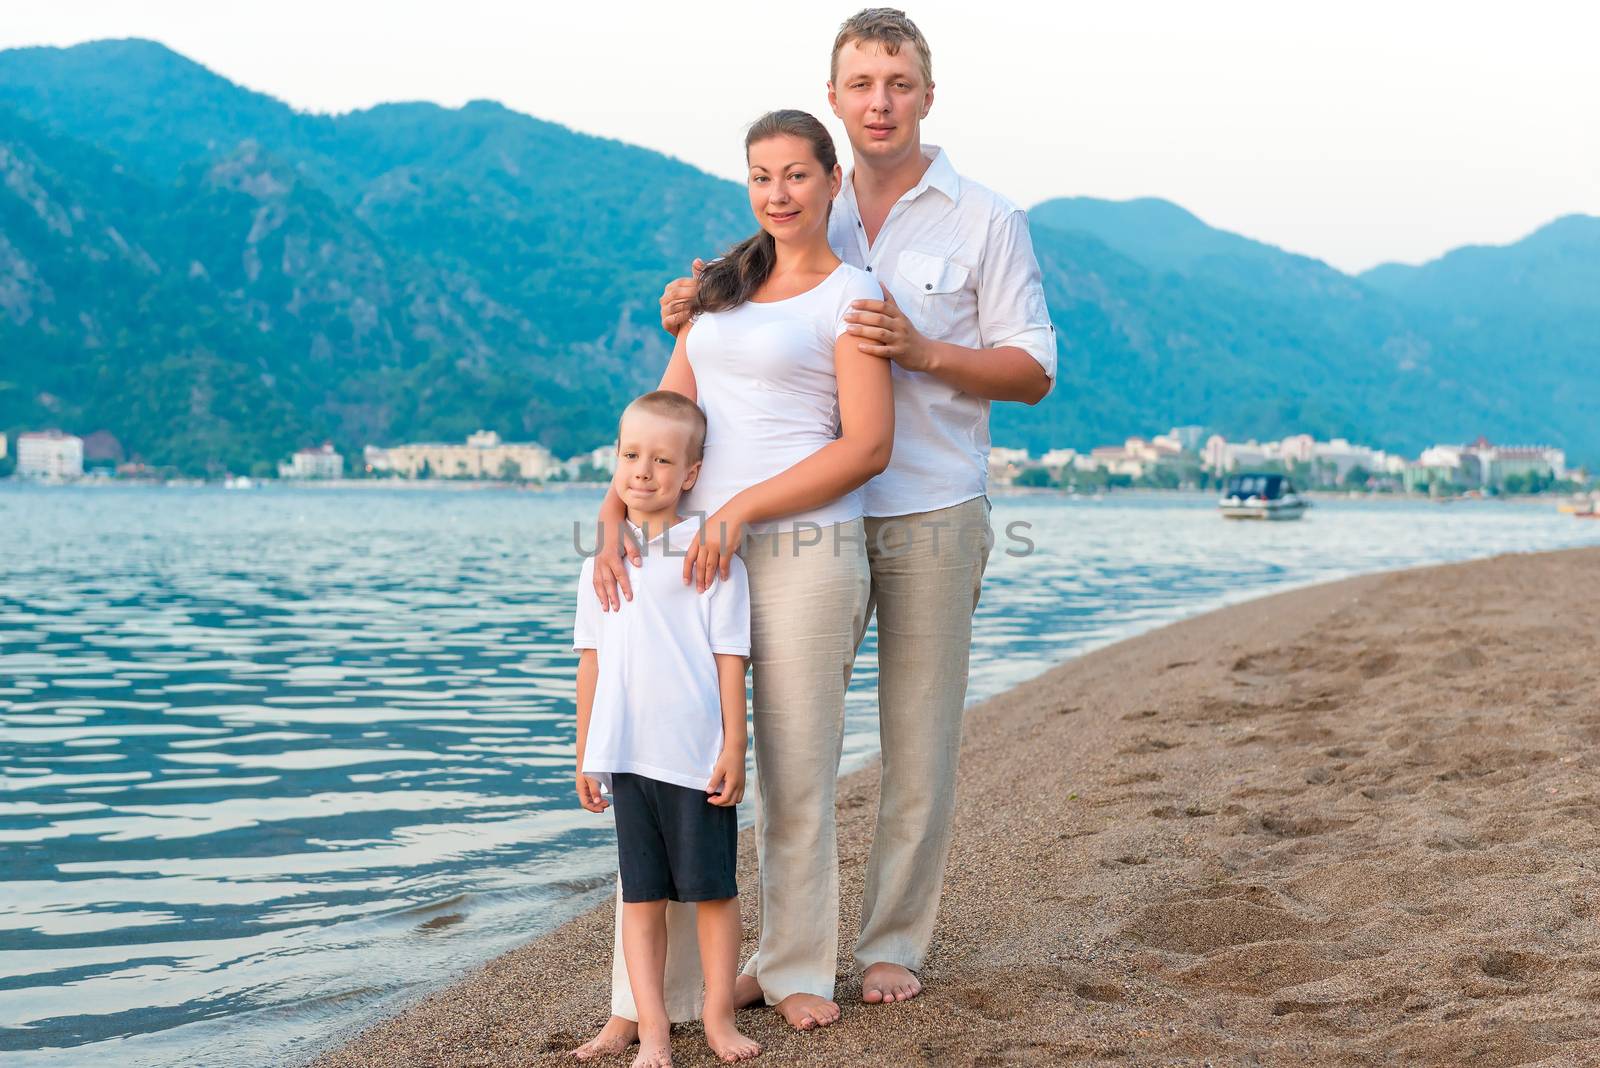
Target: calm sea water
pixel 273 761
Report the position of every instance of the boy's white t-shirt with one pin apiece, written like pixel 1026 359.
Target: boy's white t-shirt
pixel 657 705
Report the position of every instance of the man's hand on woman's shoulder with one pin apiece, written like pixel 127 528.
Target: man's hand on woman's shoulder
pixel 678 298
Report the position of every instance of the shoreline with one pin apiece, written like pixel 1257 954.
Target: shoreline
pixel 1325 825
pixel 466 485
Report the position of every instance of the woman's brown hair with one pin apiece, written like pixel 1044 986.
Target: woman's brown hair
pixel 728 282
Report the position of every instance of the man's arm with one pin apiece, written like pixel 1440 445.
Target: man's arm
pixel 1006 373
pixel 1018 361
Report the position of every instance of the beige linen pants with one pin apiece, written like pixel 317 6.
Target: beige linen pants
pixel 927 571
pixel 809 594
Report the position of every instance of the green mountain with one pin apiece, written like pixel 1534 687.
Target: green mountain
pixel 1526 318
pixel 1200 325
pixel 408 271
pixel 216 279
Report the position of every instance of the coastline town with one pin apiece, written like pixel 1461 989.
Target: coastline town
pixel 1183 458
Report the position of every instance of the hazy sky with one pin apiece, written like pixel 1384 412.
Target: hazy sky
pixel 1355 131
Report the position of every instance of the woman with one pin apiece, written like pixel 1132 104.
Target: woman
pixel 798 418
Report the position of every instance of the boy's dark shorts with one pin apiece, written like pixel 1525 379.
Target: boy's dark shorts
pixel 672 843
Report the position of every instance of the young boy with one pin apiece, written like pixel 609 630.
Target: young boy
pixel 661 727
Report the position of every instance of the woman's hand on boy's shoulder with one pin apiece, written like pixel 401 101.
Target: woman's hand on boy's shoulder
pixel 711 555
pixel 610 577
pixel 589 795
pixel 727 779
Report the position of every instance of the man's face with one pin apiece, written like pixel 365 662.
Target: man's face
pixel 881 99
pixel 653 467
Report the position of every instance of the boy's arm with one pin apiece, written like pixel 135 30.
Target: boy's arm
pixel 727 776
pixel 588 675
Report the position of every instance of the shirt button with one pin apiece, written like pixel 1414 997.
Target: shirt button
pixel 869 270
pixel 927 285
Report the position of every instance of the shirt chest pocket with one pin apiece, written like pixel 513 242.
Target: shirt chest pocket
pixel 934 288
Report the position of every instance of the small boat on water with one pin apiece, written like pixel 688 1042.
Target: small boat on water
pixel 1261 496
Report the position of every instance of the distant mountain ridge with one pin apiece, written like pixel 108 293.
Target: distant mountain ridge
pixel 216 279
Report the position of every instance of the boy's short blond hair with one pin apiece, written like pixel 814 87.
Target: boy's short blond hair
pixel 887 27
pixel 670 405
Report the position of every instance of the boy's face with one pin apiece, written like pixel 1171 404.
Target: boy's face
pixel 653 466
pixel 881 99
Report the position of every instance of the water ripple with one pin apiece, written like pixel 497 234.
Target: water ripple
pixel 271 759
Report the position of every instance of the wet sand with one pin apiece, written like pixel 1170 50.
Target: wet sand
pixel 1352 824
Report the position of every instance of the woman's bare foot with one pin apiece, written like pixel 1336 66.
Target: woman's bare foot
pixel 615 1037
pixel 807 1012
pixel 655 1047
pixel 746 991
pixel 884 983
pixel 728 1043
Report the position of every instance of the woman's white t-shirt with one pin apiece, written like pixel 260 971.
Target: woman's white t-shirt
pixel 657 703
pixel 765 377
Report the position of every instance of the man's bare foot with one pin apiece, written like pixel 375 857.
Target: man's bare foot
pixel 807 1012
pixel 655 1047
pixel 884 983
pixel 728 1043
pixel 615 1037
pixel 747 992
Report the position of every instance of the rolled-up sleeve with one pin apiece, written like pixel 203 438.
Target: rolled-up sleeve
pixel 1011 306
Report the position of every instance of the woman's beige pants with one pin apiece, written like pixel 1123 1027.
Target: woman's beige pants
pixel 809 593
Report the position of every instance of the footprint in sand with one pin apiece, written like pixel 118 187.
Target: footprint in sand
pixel 1146 744
pixel 1375 664
pixel 1200 927
pixel 1463 658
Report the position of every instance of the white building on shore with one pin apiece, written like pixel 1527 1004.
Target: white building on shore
pixel 1006 464
pixel 1331 461
pixel 1484 465
pixel 321 462
pixel 1133 457
pixel 602 459
pixel 483 455
pixel 49 454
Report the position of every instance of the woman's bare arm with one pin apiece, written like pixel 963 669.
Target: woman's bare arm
pixel 862 450
pixel 610 575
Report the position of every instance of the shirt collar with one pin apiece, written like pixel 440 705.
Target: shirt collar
pixel 679 535
pixel 940 175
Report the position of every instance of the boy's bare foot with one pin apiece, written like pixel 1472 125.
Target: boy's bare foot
pixel 728 1043
pixel 615 1037
pixel 807 1012
pixel 655 1048
pixel 884 983
pixel 747 992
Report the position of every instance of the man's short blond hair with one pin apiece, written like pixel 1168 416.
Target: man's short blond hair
pixel 887 27
pixel 675 406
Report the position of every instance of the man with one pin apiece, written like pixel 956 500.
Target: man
pixel 965 323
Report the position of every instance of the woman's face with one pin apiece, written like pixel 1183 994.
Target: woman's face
pixel 789 189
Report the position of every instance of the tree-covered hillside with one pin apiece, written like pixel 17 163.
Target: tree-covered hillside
pixel 215 279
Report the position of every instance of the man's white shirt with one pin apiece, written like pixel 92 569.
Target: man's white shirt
pixel 959 262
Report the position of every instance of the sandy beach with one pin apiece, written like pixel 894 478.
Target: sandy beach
pixel 1352 824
